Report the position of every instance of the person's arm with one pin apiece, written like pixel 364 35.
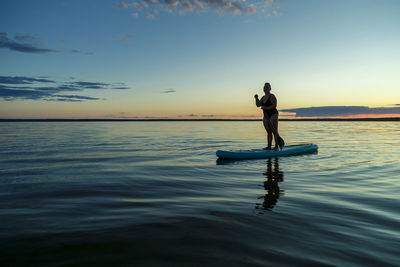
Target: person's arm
pixel 273 103
pixel 258 102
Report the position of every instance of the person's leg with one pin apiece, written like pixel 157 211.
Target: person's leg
pixel 274 122
pixel 269 133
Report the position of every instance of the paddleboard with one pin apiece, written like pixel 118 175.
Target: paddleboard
pixel 262 153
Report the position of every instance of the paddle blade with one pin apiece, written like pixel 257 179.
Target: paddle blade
pixel 281 142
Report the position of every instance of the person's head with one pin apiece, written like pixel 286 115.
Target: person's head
pixel 267 88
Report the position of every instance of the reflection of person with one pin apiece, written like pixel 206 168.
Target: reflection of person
pixel 274 176
pixel 268 104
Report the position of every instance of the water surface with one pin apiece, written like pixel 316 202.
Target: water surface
pixel 154 193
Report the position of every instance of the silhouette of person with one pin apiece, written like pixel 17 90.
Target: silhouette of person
pixel 268 104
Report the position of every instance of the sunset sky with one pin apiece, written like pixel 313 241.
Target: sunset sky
pixel 198 58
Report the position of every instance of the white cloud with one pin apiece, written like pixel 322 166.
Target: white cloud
pixel 122 5
pixel 237 7
pixel 149 16
pixel 251 9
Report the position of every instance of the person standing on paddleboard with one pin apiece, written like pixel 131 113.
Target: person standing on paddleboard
pixel 268 105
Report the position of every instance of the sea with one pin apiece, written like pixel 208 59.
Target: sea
pixel 153 193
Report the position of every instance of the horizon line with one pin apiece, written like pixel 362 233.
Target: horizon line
pixel 172 119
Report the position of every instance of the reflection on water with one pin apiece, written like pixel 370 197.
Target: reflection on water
pixel 274 176
pixel 271 185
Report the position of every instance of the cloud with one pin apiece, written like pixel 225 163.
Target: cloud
pixel 218 116
pixel 89 85
pixel 168 91
pixel 251 9
pixel 152 7
pixel 22 80
pixel 121 5
pixel 27 38
pixel 332 111
pixel 22 43
pixel 149 16
pixel 76 51
pixel 33 88
pixel 74 98
pixel 202 115
pixel 10 94
pixel 97 85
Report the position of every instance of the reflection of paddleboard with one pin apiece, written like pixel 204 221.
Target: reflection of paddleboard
pixel 261 153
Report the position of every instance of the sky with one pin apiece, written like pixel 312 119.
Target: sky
pixel 198 59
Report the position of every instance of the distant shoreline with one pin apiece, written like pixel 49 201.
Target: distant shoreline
pixel 195 120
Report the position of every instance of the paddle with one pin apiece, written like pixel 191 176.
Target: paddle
pixel 280 141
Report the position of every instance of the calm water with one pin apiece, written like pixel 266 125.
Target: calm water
pixel 153 193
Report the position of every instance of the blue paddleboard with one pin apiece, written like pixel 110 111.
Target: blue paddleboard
pixel 261 153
